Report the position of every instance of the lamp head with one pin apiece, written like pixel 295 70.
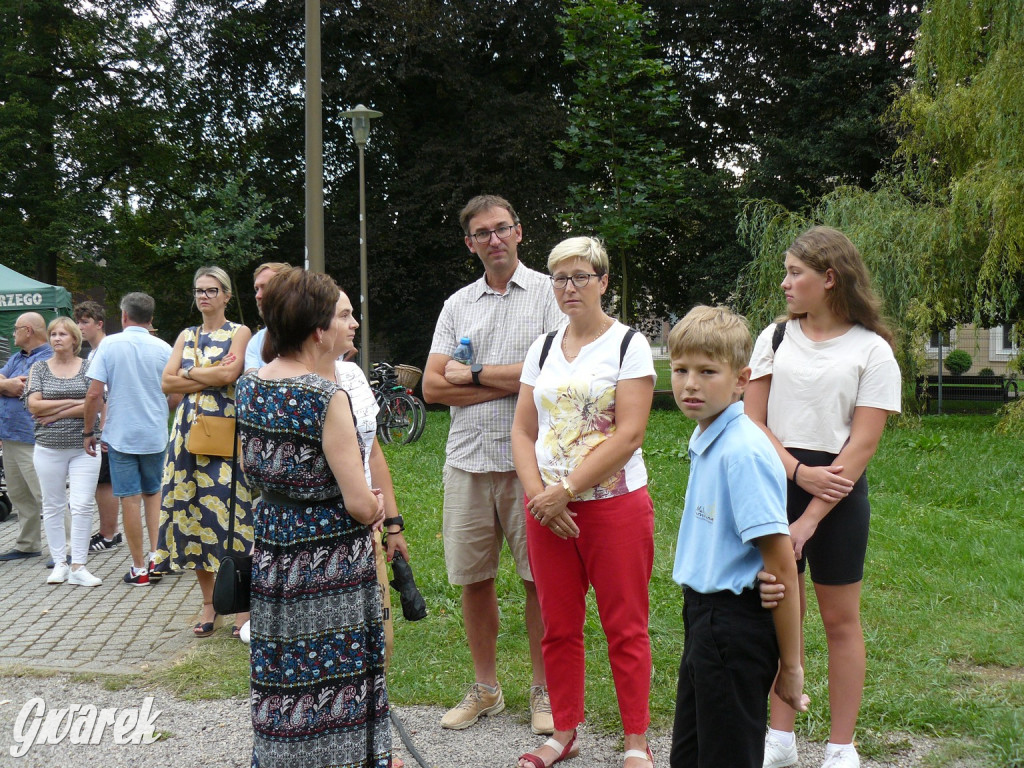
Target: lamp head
pixel 361 117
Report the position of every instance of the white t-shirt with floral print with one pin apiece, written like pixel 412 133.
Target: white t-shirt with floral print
pixel 576 406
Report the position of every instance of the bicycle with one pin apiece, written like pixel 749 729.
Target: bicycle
pixel 402 416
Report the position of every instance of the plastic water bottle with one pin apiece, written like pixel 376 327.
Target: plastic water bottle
pixel 464 352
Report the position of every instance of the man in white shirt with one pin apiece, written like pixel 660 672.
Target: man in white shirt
pixel 129 366
pixel 501 313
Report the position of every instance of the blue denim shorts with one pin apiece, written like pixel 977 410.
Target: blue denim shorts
pixel 135 473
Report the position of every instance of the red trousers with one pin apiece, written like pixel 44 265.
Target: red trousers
pixel 615 554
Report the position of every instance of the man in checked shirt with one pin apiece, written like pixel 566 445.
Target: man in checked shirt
pixel 502 313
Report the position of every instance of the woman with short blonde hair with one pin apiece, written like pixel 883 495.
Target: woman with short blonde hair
pixel 56 399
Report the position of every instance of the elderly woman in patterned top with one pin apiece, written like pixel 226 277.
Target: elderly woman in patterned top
pixel 206 361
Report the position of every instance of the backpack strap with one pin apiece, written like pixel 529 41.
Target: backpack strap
pixel 546 348
pixel 551 337
pixel 780 332
pixel 625 345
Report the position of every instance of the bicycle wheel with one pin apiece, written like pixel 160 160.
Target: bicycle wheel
pixel 383 416
pixel 401 419
pixel 421 418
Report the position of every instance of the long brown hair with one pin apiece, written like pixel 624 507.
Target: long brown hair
pixel 851 296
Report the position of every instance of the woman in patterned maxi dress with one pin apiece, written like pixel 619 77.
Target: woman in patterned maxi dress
pixel 318 694
pixel 194 515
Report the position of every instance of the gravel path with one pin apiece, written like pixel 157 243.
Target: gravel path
pixel 216 734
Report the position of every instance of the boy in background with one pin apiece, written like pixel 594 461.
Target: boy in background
pixel 733 525
pixel 91 318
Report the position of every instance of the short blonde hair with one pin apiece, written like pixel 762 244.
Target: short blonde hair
pixel 275 266
pixel 71 326
pixel 717 332
pixel 590 249
pixel 218 274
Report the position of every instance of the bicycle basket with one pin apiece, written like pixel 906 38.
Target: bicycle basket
pixel 408 375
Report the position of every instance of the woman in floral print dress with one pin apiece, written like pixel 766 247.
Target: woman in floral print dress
pixel 194 515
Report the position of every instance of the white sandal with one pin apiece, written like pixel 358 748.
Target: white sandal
pixel 640 755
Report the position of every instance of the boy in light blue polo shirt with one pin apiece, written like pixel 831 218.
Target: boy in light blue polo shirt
pixel 733 525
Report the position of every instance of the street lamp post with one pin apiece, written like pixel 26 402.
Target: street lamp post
pixel 314 143
pixel 361 117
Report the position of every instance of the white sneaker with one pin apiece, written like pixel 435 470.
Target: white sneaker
pixel 243 633
pixel 59 574
pixel 83 578
pixel 842 758
pixel 777 754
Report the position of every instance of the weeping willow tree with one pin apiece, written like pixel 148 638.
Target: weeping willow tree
pixel 943 230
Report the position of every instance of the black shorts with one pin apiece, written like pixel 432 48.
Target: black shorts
pixel 837 550
pixel 104 468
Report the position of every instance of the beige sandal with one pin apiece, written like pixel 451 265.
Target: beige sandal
pixel 640 755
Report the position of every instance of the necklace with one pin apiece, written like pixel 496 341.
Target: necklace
pixel 565 349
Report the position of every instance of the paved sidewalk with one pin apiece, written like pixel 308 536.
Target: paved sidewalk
pixel 113 628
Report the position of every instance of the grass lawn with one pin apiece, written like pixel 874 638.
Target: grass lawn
pixel 943 596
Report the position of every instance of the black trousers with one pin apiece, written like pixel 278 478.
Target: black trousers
pixel 730 658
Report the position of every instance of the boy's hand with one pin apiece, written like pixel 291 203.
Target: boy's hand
pixel 771 591
pixel 800 532
pixel 789 685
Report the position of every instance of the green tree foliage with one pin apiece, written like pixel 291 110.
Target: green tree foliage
pixel 943 231
pixel 468 96
pixel 77 123
pixel 230 230
pixel 633 186
pixel 789 91
pixel 963 150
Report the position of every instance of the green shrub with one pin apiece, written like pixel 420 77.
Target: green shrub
pixel 958 362
pixel 986 372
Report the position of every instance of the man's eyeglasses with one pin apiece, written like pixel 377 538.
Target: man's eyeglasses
pixel 503 233
pixel 580 279
pixel 209 293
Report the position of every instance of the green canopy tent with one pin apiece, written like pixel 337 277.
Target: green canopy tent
pixel 20 294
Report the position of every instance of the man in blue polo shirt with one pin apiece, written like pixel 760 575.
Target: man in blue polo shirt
pixel 131 364
pixel 17 430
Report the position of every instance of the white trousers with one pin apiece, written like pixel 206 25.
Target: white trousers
pixel 57 468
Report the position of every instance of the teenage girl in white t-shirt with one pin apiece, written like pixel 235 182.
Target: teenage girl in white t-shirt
pixel 823 396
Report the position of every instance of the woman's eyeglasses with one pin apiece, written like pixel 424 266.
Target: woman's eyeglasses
pixel 580 279
pixel 209 293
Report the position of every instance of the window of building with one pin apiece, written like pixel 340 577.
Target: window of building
pixel 948 339
pixel 1000 343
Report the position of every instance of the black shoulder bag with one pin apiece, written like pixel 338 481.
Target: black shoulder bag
pixel 234 577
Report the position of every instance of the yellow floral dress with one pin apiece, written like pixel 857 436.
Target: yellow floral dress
pixel 197 489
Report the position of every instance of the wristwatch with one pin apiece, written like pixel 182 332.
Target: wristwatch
pixel 396 520
pixel 475 369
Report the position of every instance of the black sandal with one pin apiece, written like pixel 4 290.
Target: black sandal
pixel 204 628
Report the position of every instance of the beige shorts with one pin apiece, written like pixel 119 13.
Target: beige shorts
pixel 481 509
